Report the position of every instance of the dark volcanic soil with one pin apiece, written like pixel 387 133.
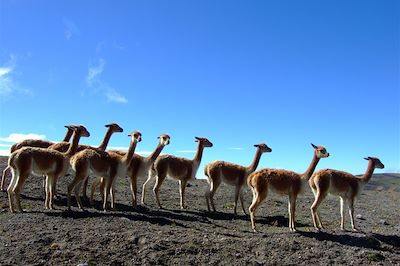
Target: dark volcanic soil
pixel 148 235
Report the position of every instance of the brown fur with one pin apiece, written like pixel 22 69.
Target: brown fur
pixel 178 168
pixel 232 174
pixel 111 129
pixel 343 184
pixel 38 143
pixel 108 164
pixel 63 147
pixel 282 182
pixel 32 143
pixel 51 163
pixel 139 165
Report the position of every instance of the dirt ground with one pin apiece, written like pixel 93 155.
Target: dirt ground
pixel 148 235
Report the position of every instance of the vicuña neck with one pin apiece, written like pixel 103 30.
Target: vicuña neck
pixel 311 168
pixel 106 139
pixel 153 156
pixel 199 153
pixel 129 155
pixel 368 173
pixel 74 145
pixel 68 135
pixel 253 166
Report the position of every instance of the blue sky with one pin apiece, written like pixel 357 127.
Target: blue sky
pixel 286 73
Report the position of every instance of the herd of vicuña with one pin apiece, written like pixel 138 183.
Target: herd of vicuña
pixel 55 160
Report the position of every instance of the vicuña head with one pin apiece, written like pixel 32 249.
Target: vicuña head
pixel 204 142
pixel 114 127
pixel 320 151
pixel 263 147
pixel 376 163
pixel 164 139
pixel 136 136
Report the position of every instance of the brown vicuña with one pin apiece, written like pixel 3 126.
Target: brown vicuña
pixel 282 182
pixel 178 168
pixel 101 164
pixel 232 174
pixel 38 143
pixel 63 146
pixel 342 184
pixel 140 167
pixel 40 161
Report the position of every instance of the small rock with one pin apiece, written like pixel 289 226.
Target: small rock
pixel 54 246
pixel 258 263
pixel 359 216
pixel 83 264
pixel 134 240
pixel 142 241
pixel 383 222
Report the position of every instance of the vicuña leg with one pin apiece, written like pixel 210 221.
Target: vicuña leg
pixel 342 203
pixel 214 184
pixel 84 188
pixel 47 193
pixel 351 212
pixel 18 188
pixel 292 211
pixel 182 184
pixel 241 202
pixel 258 197
pixel 237 192
pixel 144 187
pixel 134 190
pixel 106 190
pixel 156 189
pixel 77 179
pixel 319 197
pixel 3 177
pixel 10 190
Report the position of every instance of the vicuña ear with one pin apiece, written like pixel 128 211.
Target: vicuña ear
pixel 197 139
pixel 256 145
pixel 315 147
pixel 367 158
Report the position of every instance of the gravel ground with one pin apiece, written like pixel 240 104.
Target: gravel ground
pixel 170 236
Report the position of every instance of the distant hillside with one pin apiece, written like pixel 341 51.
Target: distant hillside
pixel 3 160
pixel 384 182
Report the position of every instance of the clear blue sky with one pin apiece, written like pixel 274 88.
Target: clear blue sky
pixel 286 73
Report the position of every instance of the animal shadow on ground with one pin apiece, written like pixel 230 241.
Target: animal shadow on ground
pixel 130 216
pixel 223 216
pixel 279 221
pixel 393 240
pixel 143 213
pixel 370 241
pixel 25 197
